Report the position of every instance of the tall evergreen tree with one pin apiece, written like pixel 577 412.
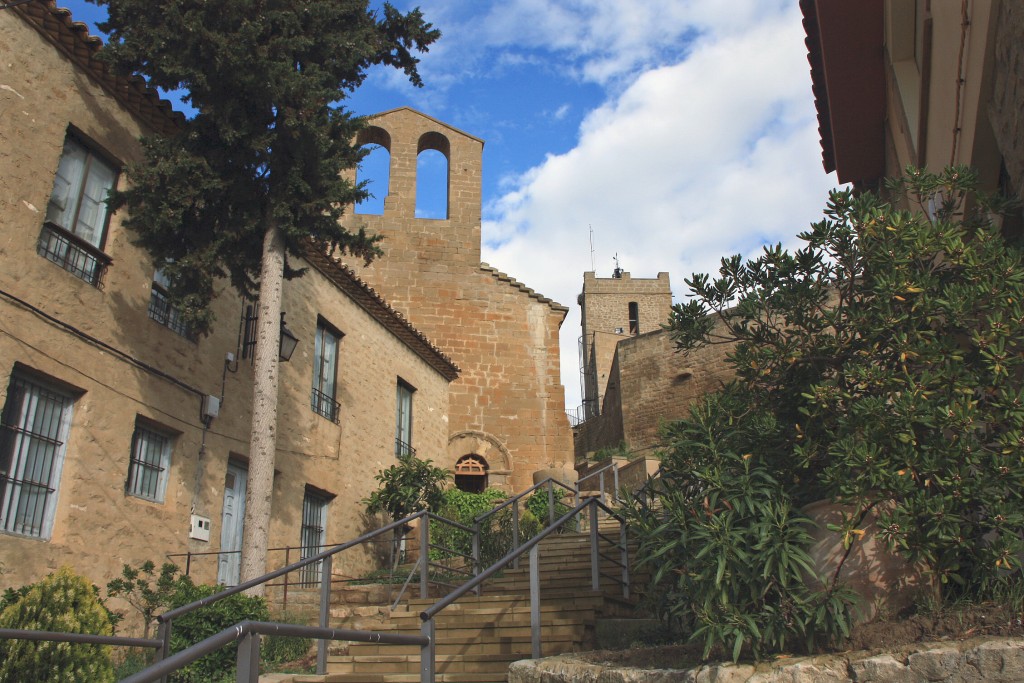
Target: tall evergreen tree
pixel 257 172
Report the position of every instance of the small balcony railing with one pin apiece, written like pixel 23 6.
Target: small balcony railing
pixel 325 405
pixel 403 450
pixel 73 254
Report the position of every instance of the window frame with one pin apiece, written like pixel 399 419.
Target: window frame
pixel 62 239
pixel 403 419
pixel 142 486
pixel 322 401
pixel 23 450
pixel 160 309
pixel 633 314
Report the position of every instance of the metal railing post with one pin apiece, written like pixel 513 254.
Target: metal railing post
pixel 535 601
pixel 325 612
pixel 601 486
pixel 163 633
pixel 615 481
pixel 624 541
pixel 551 502
pixel 515 533
pixel 595 558
pixel 428 652
pixel 287 561
pixel 424 555
pixel 476 552
pixel 248 659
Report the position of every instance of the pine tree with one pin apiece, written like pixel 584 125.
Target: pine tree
pixel 257 172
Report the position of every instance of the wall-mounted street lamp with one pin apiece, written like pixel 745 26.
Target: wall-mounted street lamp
pixel 288 342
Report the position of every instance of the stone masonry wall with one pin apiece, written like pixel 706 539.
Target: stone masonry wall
pixel 1006 111
pixel 508 404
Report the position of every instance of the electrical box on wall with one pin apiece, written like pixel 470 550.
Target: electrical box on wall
pixel 211 407
pixel 200 530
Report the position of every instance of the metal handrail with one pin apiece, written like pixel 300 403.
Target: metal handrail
pixel 516 498
pixel 614 467
pixel 532 547
pixel 249 649
pixel 89 638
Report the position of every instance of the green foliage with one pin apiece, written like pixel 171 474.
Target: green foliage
pixel 609 452
pixel 278 650
pixel 883 361
pixel 189 629
pixel 408 487
pixel 269 143
pixel 136 588
pixel 65 602
pixel 537 505
pixel 729 551
pixel 463 507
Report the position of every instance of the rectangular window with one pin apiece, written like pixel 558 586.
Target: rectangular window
pixel 403 421
pixel 33 434
pixel 149 464
pixel 314 531
pixel 634 318
pixel 160 308
pixel 76 215
pixel 325 365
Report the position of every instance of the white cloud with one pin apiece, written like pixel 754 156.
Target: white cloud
pixel 692 161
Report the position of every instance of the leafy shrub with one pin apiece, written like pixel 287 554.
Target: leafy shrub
pixel 135 587
pixel 537 504
pixel 202 623
pixel 727 550
pixel 462 507
pixel 65 602
pixel 277 650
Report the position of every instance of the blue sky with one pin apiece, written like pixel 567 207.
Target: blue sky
pixel 680 131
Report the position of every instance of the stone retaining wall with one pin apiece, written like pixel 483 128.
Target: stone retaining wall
pixel 995 660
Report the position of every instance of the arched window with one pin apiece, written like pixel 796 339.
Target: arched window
pixel 471 474
pixel 375 169
pixel 432 169
pixel 634 318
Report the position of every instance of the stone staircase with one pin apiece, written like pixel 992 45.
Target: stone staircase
pixel 478 636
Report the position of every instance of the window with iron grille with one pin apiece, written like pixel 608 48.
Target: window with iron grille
pixel 403 421
pixel 149 463
pixel 160 308
pixel 33 435
pixel 314 531
pixel 76 215
pixel 325 364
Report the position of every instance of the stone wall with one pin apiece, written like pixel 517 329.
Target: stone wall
pixel 996 660
pixel 1007 108
pixel 508 404
pixel 651 384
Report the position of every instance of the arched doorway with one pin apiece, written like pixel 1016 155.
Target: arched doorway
pixel 471 474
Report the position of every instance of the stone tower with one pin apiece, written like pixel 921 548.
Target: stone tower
pixel 613 309
pixel 507 409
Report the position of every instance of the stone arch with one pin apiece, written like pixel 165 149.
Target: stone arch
pixel 433 184
pixel 378 169
pixel 487 447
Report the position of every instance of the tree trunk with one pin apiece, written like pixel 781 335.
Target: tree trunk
pixel 263 440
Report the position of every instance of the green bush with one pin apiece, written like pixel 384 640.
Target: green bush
pixel 278 650
pixel 462 507
pixel 537 504
pixel 727 550
pixel 204 622
pixel 65 602
pixel 135 587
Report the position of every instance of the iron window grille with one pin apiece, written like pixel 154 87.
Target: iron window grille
pixel 325 405
pixel 161 310
pixel 313 533
pixel 76 214
pixel 33 435
pixel 148 465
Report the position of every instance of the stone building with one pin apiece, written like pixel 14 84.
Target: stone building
pixel 507 409
pixel 634 380
pixel 123 437
pixel 900 82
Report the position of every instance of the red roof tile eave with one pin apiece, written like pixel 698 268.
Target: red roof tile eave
pixel 374 304
pixel 72 38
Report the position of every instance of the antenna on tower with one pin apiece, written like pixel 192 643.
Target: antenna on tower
pixel 593 267
pixel 617 273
